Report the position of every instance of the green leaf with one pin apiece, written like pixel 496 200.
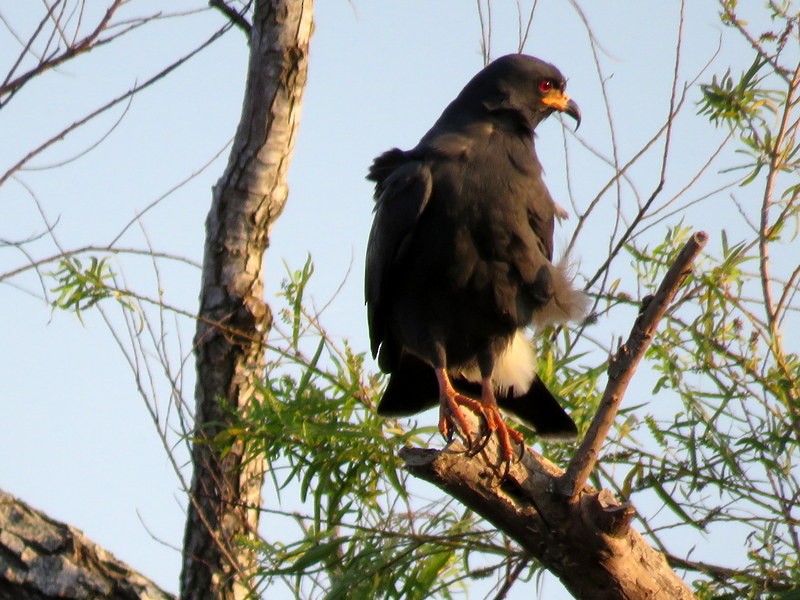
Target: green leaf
pixel 316 554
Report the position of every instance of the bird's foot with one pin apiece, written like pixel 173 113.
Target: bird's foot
pixel 451 420
pixel 505 435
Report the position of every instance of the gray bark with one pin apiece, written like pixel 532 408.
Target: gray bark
pixel 43 559
pixel 234 319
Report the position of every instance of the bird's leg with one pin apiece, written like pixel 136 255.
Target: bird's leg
pixel 450 403
pixel 494 420
pixel 495 423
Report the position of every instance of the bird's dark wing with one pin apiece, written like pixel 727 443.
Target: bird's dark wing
pixel 541 217
pixel 402 196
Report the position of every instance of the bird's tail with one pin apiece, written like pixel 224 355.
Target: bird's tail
pixel 519 390
pixel 540 409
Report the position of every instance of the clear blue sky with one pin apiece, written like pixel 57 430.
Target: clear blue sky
pixel 78 442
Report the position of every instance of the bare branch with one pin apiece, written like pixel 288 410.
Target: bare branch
pixel 525 31
pixel 86 150
pixel 90 41
pixel 135 89
pixel 237 18
pixel 169 192
pixel 623 365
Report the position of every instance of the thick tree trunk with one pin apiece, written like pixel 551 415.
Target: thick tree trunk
pixel 43 559
pixel 234 319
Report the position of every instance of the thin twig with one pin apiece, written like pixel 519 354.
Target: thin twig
pixel 512 577
pixel 524 33
pixel 169 192
pixel 85 45
pixel 134 90
pixel 87 150
pixel 623 366
pixel 776 156
pixel 237 18
pixel 64 254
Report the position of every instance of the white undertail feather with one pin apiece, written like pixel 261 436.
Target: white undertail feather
pixel 514 368
pixel 568 303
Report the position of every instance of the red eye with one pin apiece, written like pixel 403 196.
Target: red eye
pixel 545 85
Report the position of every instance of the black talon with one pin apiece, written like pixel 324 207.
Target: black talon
pixel 482 444
pixel 508 469
pixel 521 452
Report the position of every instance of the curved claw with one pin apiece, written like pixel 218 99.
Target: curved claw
pixel 521 452
pixel 451 420
pixel 508 454
pixel 482 442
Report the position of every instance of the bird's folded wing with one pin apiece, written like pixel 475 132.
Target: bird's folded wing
pixel 402 200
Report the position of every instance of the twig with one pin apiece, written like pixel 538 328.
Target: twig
pixel 86 44
pixel 512 576
pixel 237 18
pixel 623 365
pixel 725 574
pixel 134 90
pixel 776 157
pixel 524 33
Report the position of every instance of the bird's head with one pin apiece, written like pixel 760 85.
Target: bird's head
pixel 522 88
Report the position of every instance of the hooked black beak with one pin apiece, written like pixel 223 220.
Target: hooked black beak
pixel 573 111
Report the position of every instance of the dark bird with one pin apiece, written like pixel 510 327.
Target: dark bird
pixel 460 258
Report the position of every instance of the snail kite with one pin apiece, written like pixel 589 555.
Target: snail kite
pixel 460 258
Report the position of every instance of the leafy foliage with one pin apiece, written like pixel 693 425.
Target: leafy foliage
pixel 728 461
pixel 81 287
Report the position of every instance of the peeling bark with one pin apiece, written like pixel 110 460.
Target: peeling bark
pixel 43 559
pixel 234 319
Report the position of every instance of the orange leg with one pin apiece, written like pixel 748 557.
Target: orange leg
pixel 451 419
pixel 496 423
pixel 450 403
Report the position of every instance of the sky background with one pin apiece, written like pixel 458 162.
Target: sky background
pixel 78 441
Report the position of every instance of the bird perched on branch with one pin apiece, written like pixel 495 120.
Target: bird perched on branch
pixel 460 259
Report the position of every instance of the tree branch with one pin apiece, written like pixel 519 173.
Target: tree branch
pixel 220 543
pixel 89 42
pixel 588 544
pixel 43 558
pixel 134 90
pixel 237 18
pixel 623 365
